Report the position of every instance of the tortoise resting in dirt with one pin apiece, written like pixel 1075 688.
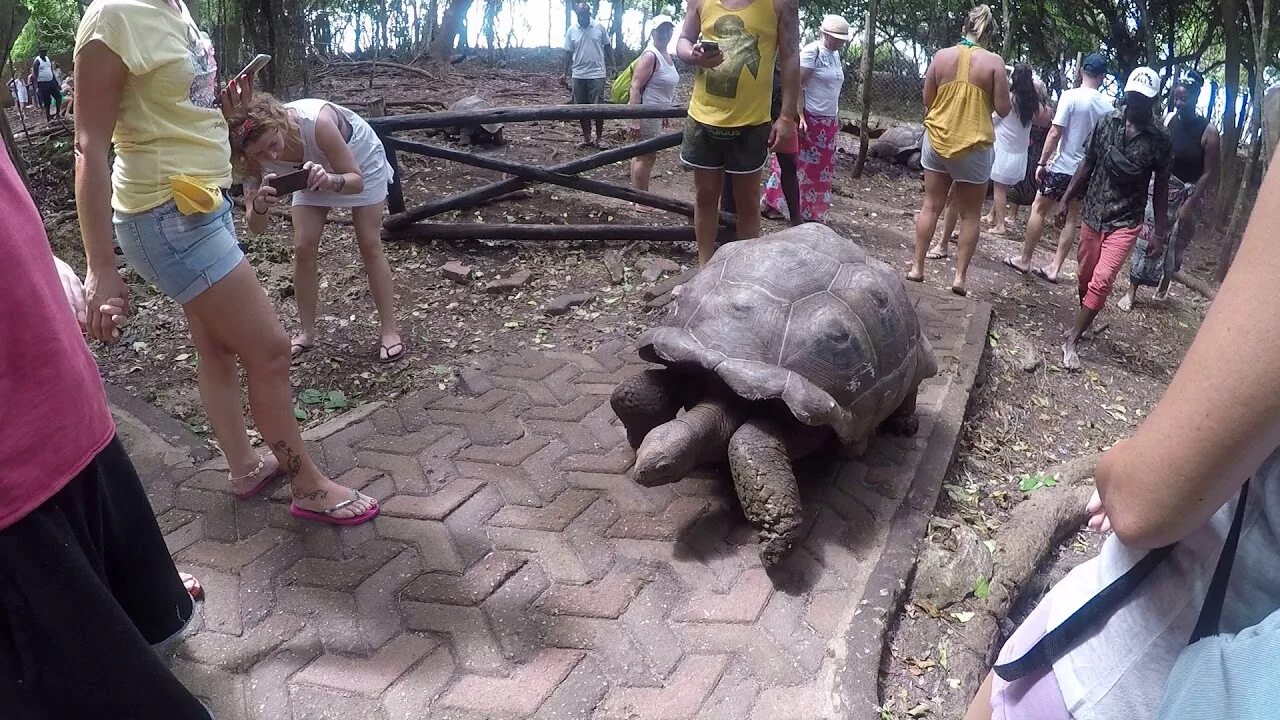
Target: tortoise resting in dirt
pixel 486 134
pixel 899 144
pixel 777 347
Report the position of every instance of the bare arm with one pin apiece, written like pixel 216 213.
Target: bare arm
pixel 788 59
pixel 640 76
pixel 343 175
pixel 930 86
pixel 1051 141
pixel 690 29
pixel 258 201
pixel 100 79
pixel 1000 82
pixel 1220 417
pixel 1212 143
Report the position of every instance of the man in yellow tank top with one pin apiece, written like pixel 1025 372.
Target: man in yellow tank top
pixel 734 44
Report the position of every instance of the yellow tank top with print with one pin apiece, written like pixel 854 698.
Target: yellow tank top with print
pixel 738 92
pixel 960 117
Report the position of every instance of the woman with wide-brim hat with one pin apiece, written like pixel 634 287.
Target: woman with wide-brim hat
pixel 821 78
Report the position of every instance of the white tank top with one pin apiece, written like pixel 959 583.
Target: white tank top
pixel 44 70
pixel 661 89
pixel 365 147
pixel 1011 135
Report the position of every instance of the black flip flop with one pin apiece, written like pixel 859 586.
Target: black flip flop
pixel 959 291
pixel 390 356
pixel 915 280
pixel 1040 273
pixel 1008 260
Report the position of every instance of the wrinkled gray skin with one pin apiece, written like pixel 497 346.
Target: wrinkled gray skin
pixel 487 134
pixel 899 144
pixel 779 346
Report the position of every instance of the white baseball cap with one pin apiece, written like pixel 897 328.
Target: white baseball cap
pixel 837 27
pixel 1144 81
pixel 660 20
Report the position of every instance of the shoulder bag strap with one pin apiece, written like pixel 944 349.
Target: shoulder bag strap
pixel 1211 612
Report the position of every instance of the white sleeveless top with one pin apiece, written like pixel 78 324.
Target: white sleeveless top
pixel 661 89
pixel 365 147
pixel 1011 135
pixel 1120 671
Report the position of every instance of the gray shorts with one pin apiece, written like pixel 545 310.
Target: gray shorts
pixel 588 92
pixel 973 166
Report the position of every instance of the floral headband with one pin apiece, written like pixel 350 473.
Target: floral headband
pixel 241 132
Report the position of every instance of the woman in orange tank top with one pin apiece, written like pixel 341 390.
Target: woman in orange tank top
pixel 962 87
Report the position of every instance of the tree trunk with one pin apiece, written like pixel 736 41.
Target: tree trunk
pixel 433 21
pixel 451 25
pixel 1008 31
pixel 1148 34
pixel 1230 126
pixel 864 92
pixel 619 7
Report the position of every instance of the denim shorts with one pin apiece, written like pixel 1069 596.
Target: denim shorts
pixel 183 255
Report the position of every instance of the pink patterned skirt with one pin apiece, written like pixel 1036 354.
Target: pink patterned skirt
pixel 815 166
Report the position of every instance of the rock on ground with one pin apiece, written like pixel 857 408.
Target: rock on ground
pixel 456 271
pixel 564 303
pixel 517 279
pixel 948 570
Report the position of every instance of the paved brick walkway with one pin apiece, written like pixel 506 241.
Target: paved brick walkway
pixel 515 572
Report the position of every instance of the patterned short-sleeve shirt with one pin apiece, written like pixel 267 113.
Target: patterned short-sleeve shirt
pixel 1122 170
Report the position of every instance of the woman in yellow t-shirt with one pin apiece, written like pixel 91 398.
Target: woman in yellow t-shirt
pixel 146 81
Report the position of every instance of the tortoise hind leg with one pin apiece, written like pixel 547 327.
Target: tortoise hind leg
pixel 644 401
pixel 766 486
pixel 903 421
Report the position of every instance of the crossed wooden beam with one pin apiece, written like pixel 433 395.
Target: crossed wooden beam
pixel 409 223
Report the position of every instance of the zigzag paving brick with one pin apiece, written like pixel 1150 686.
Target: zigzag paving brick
pixel 516 572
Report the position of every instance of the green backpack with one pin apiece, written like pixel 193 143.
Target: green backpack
pixel 620 90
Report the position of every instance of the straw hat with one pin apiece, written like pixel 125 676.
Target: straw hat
pixel 837 27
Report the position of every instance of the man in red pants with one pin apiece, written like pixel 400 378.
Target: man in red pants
pixel 1129 149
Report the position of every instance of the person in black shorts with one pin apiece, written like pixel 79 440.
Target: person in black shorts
pixel 786 163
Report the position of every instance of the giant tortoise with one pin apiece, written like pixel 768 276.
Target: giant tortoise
pixel 899 144
pixel 778 346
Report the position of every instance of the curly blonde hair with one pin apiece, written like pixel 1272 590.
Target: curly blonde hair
pixel 263 114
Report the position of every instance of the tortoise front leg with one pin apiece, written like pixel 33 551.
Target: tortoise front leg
pixel 644 401
pixel 766 486
pixel 903 421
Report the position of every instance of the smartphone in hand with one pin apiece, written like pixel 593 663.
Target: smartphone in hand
pixel 253 67
pixel 710 47
pixel 290 182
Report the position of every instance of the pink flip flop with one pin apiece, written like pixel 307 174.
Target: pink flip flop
pixel 253 492
pixel 326 516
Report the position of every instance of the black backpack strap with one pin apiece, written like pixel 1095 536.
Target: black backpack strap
pixel 1058 641
pixel 1211 611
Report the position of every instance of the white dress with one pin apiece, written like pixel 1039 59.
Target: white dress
pixel 1012 140
pixel 365 147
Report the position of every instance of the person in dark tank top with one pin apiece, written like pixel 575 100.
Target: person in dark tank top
pixel 1193 172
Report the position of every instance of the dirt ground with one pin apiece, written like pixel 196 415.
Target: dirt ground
pixel 1022 421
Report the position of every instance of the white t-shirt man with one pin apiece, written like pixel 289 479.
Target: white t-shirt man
pixel 1079 110
pixel 587 45
pixel 822 92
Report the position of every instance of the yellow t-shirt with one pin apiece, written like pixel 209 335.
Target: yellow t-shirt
pixel 169 123
pixel 739 91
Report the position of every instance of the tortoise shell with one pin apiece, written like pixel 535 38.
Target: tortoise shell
pixel 897 142
pixel 804 316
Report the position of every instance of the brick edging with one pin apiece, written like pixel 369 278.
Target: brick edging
pixel 158 421
pixel 857 685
